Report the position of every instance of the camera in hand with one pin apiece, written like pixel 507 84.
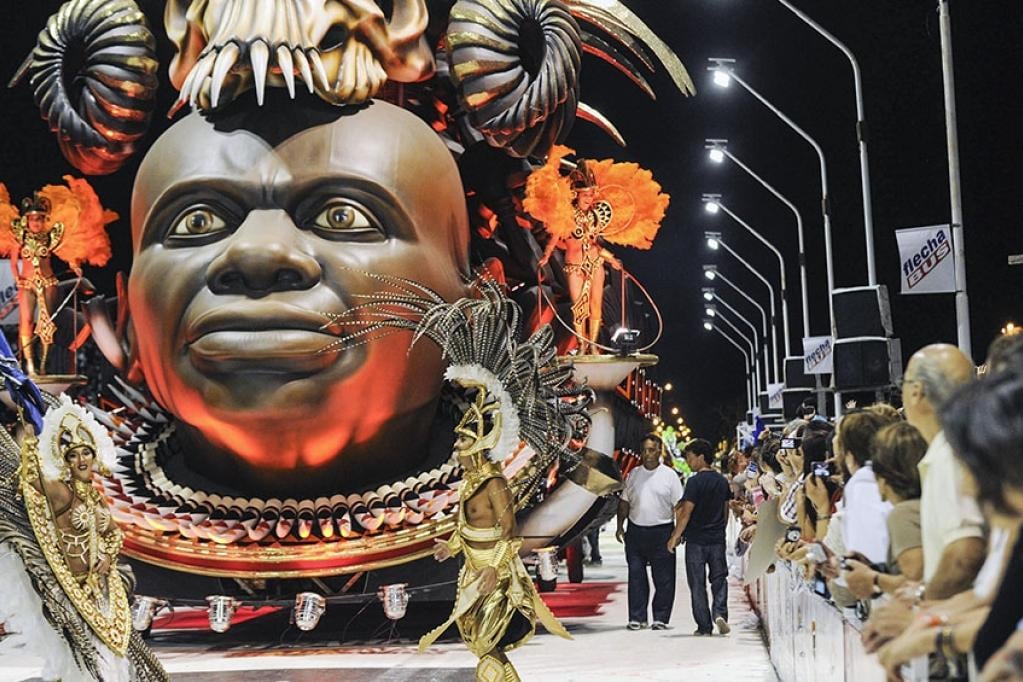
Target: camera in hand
pixel 793 534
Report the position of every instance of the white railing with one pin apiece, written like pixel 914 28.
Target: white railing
pixel 811 639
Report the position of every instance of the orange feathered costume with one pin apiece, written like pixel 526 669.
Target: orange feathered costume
pixel 85 237
pixel 637 201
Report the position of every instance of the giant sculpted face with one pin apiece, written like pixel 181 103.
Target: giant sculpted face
pixel 249 231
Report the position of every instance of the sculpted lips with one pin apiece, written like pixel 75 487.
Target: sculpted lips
pixel 260 336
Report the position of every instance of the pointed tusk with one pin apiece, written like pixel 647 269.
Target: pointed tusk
pixel 303 69
pixel 287 68
pixel 202 70
pixel 225 60
pixel 259 58
pixel 321 71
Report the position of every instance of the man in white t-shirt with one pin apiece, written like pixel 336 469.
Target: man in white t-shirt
pixel 652 491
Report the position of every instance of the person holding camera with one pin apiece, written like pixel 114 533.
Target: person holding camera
pixel 895 452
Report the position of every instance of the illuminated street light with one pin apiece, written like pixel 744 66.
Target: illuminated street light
pixel 708 294
pixel 730 308
pixel 674 410
pixel 716 155
pixel 716 237
pixel 710 272
pixel 720 148
pixel 707 325
pixel 710 311
pixel 770 288
pixel 668 386
pixel 727 65
pixel 763 314
pixel 722 74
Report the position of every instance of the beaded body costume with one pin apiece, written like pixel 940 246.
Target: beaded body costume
pixel 594 203
pixel 65 598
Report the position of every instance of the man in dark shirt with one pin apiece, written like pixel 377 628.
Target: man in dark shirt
pixel 700 520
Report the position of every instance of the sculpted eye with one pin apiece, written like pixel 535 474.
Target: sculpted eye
pixel 339 216
pixel 199 221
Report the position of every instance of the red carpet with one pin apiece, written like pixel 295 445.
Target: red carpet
pixel 579 600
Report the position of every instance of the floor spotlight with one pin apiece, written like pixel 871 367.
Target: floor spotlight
pixel 395 600
pixel 221 612
pixel 309 606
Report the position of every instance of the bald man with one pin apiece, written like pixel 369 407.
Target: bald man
pixel 950 521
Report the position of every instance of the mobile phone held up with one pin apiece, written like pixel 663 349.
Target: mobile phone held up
pixel 790 443
pixel 822 470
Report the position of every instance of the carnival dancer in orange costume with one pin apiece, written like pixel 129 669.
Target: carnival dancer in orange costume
pixel 67 222
pixel 596 202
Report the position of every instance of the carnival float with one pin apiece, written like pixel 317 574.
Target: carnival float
pixel 318 187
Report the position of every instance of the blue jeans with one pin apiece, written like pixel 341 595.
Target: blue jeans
pixel 700 558
pixel 648 545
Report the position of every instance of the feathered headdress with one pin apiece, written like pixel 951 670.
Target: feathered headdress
pixel 77 208
pixel 67 426
pixel 636 200
pixel 479 336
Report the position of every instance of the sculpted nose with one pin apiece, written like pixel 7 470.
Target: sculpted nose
pixel 264 256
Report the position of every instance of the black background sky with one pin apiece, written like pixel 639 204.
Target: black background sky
pixel 897 43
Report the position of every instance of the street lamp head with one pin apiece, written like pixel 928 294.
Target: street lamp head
pixel 713 240
pixel 710 271
pixel 707 325
pixel 716 154
pixel 668 386
pixel 721 68
pixel 710 311
pixel 711 203
pixel 708 294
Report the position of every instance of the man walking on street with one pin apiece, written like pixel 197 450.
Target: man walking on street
pixel 651 494
pixel 700 522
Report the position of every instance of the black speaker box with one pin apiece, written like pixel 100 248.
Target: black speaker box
pixel 867 363
pixel 792 398
pixel 862 311
pixel 794 375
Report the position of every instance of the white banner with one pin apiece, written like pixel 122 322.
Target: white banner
pixel 774 396
pixel 8 294
pixel 928 266
pixel 818 355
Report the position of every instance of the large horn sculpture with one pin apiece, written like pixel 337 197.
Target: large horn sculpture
pixel 101 106
pixel 516 66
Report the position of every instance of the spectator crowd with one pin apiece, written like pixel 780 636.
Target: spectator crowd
pixel 911 516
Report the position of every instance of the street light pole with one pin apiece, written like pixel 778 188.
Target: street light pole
pixel 711 269
pixel 954 185
pixel 753 350
pixel 861 135
pixel 745 354
pixel 722 73
pixel 770 288
pixel 721 145
pixel 781 269
pixel 749 324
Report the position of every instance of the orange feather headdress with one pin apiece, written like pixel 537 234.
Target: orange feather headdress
pixel 637 202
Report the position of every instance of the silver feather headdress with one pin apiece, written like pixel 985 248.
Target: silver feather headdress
pixel 480 339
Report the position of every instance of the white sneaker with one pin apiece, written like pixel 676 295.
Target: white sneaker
pixel 723 627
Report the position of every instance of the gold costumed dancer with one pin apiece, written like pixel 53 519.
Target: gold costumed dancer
pixel 519 392
pixel 596 202
pixel 67 222
pixel 497 605
pixel 65 599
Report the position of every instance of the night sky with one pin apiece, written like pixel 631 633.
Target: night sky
pixel 897 43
